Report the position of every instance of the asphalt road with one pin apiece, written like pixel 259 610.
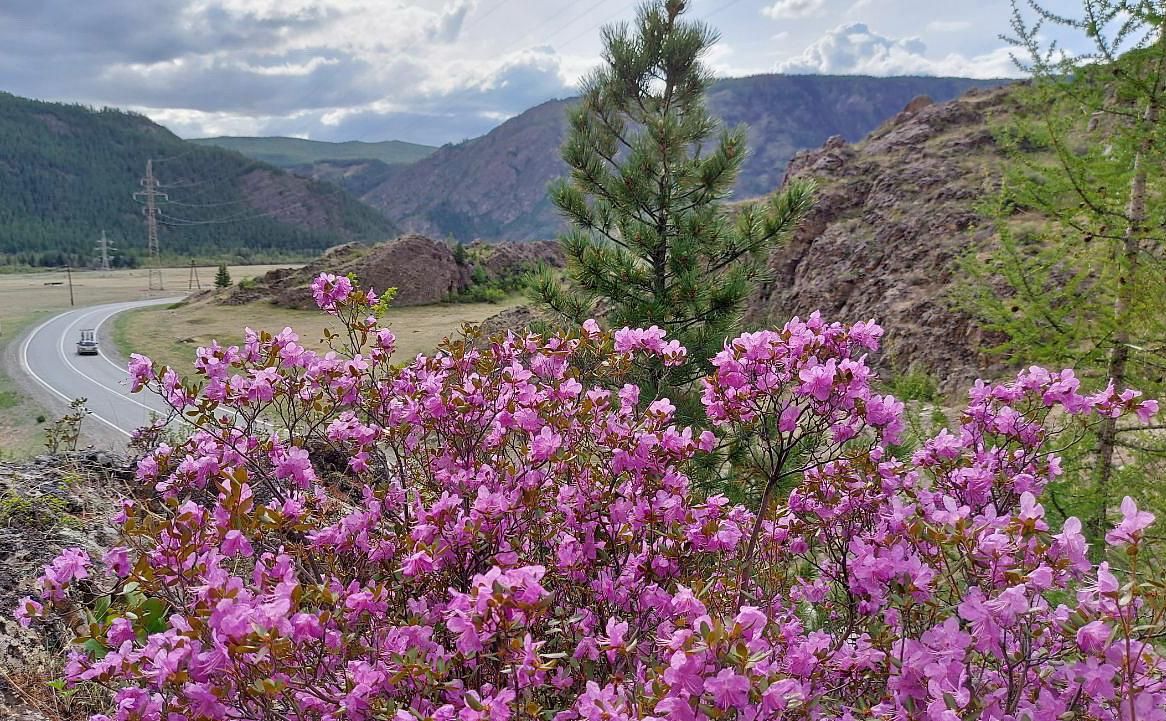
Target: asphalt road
pixel 48 356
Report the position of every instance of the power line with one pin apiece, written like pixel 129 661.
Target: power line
pixel 203 205
pixel 409 127
pixel 151 194
pixel 104 251
pixel 722 8
pixel 193 282
pixel 173 221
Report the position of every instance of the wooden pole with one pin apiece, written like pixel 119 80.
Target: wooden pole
pixel 69 273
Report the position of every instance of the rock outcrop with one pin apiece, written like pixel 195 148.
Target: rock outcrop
pixel 500 260
pixel 894 214
pixel 46 504
pixel 423 270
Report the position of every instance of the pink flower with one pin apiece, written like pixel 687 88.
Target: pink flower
pixel 818 380
pixel 386 340
pixel 117 560
pixel 295 464
pixel 120 630
pixel 236 544
pixel 544 445
pixel 729 689
pixel 417 563
pixel 26 610
pixel 1093 637
pixel 1133 522
pixel 330 290
pixel 71 565
pixel 615 640
pixel 751 620
pixel 141 371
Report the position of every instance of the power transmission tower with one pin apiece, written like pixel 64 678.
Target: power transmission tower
pixel 193 282
pixel 151 195
pixel 104 252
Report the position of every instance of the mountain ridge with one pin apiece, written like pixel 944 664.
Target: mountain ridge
pixel 286 152
pixel 494 186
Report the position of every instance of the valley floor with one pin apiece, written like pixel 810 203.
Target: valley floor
pixel 172 335
pixel 27 299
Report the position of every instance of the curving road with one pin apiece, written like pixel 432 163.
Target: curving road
pixel 48 355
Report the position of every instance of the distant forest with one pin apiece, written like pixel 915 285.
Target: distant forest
pixel 67 172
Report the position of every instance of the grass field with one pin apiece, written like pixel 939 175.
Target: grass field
pixel 171 336
pixel 29 298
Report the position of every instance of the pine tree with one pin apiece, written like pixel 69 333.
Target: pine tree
pixel 1083 286
pixel 652 241
pixel 222 278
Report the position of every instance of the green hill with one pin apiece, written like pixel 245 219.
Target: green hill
pixel 67 172
pixel 288 152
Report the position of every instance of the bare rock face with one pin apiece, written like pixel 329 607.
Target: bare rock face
pixel 506 259
pixel 46 505
pixel 422 270
pixel 894 215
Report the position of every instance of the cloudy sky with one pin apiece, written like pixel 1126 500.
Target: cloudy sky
pixel 436 71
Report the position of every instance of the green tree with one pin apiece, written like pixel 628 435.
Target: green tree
pixel 460 255
pixel 1078 276
pixel 222 278
pixel 652 241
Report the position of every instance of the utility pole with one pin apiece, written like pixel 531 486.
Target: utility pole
pixel 151 195
pixel 104 249
pixel 69 274
pixel 193 282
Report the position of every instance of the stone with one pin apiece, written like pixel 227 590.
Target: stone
pixel 894 214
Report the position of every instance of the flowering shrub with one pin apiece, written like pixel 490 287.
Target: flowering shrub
pixel 505 530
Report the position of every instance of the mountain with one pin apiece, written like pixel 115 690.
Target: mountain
pixel 288 152
pixel 494 186
pixel 356 176
pixel 894 216
pixel 67 172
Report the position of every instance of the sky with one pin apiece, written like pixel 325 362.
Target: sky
pixel 437 71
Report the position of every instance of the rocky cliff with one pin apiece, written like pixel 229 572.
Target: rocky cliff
pixel 894 214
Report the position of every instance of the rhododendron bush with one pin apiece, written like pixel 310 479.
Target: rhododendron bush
pixel 505 530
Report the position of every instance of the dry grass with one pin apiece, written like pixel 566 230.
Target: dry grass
pixel 171 335
pixel 29 298
pixel 36 692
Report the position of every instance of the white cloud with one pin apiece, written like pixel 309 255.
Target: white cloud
pixel 448 25
pixel 855 49
pixel 426 70
pixel 948 26
pixel 782 9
